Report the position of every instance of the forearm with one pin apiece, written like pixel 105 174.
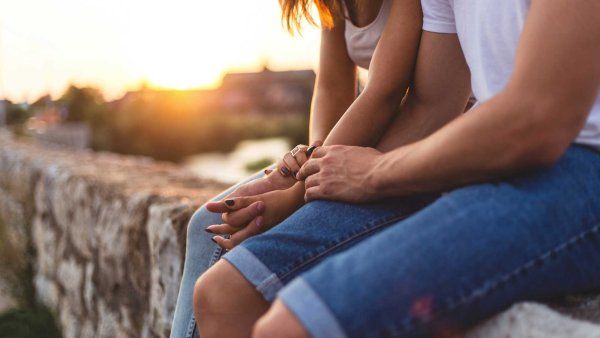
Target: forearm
pixel 497 139
pixel 327 108
pixel 365 121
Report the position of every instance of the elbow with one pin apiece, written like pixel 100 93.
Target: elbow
pixel 543 140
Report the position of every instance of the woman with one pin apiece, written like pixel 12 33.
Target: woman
pixel 381 36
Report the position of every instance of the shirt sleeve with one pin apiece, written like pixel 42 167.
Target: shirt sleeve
pixel 438 16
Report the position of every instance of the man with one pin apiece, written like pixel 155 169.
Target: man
pixel 520 218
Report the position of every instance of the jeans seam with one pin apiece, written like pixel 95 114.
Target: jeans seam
pixel 486 287
pixel 191 328
pixel 216 255
pixel 376 225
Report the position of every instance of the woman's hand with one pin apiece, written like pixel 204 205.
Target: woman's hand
pixel 282 178
pixel 245 217
pixel 293 160
pixel 343 173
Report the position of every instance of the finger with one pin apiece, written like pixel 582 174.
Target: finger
pixel 253 229
pixel 291 163
pixel 244 216
pixel 311 167
pixel 312 148
pixel 319 152
pixel 229 204
pixel 222 242
pixel 312 181
pixel 301 158
pixel 221 229
pixel 284 170
pixel 312 194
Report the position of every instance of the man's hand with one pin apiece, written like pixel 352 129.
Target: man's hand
pixel 342 173
pixel 245 217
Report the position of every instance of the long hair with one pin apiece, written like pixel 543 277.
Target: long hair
pixel 294 11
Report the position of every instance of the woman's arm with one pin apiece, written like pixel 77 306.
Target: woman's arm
pixel 335 88
pixel 390 74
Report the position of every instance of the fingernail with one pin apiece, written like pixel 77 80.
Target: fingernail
pixel 260 207
pixel 295 173
pixel 310 150
pixel 259 222
pixel 268 171
pixel 214 240
pixel 209 231
pixel 230 202
pixel 285 171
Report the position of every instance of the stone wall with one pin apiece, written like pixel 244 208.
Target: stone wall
pixel 109 232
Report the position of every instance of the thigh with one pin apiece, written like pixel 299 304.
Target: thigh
pixel 317 230
pixel 470 254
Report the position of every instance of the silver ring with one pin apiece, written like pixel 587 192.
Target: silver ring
pixel 295 151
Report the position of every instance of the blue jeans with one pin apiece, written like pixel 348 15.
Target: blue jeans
pixel 200 253
pixel 378 271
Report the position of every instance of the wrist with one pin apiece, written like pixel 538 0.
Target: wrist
pixel 387 176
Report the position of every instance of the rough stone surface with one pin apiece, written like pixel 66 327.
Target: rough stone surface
pixel 109 232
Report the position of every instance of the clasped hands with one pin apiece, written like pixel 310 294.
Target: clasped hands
pixel 342 173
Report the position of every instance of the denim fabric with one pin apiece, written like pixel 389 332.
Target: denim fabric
pixel 468 255
pixel 201 253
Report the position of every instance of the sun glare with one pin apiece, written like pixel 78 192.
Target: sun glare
pixel 117 44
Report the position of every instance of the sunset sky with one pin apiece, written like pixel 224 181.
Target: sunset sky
pixel 117 44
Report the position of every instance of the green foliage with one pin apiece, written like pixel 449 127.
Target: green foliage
pixel 83 104
pixel 29 319
pixel 28 323
pixel 259 164
pixel 171 128
pixel 16 114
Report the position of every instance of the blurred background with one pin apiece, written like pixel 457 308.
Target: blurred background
pixel 202 83
pixel 218 87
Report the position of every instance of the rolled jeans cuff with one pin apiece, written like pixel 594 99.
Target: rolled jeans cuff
pixel 265 281
pixel 310 310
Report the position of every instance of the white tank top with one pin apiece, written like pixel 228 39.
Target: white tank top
pixel 361 41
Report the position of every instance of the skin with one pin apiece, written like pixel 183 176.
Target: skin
pixel 511 133
pixel 368 117
pixel 561 75
pixel 441 72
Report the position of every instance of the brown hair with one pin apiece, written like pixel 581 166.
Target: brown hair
pixel 294 11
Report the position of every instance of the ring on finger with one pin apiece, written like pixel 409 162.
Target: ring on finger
pixel 295 151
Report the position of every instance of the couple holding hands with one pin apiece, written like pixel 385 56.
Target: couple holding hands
pixel 413 218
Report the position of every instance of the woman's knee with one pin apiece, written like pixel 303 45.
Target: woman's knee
pixel 221 289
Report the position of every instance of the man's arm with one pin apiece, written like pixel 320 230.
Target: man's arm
pixel 528 125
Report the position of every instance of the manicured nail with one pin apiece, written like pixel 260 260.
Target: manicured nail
pixel 230 202
pixel 214 240
pixel 310 150
pixel 259 222
pixel 209 231
pixel 285 171
pixel 268 171
pixel 260 207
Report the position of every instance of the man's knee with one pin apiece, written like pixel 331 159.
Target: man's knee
pixel 279 322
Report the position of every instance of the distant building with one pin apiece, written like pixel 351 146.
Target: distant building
pixel 285 92
pixel 264 92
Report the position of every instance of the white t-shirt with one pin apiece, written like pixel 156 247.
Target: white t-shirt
pixel 489 32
